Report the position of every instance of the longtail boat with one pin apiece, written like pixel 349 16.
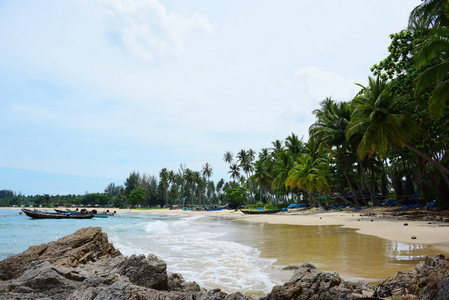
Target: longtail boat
pixel 38 214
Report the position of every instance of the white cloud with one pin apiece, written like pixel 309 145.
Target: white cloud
pixel 315 84
pixel 147 30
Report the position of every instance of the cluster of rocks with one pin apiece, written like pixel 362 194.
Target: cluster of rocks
pixel 84 265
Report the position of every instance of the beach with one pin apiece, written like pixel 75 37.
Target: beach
pixel 210 247
pixel 429 232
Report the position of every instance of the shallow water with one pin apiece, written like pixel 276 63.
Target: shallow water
pixel 228 254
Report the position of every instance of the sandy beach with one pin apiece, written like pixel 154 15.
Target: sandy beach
pixel 434 233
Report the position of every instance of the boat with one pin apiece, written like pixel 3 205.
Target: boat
pixel 84 212
pixel 38 214
pixel 259 211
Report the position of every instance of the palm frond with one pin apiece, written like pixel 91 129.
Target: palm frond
pixel 439 98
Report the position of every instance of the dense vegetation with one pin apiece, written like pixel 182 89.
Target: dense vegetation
pixel 389 141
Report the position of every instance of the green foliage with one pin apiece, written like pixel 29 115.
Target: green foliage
pixel 238 194
pixel 136 197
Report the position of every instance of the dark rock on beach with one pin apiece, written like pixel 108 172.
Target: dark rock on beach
pixel 84 265
pixel 309 283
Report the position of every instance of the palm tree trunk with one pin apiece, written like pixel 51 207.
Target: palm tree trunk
pixel 343 169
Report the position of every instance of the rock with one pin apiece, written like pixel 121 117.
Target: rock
pixel 84 246
pixel 290 268
pixel 429 280
pixel 84 265
pixel 310 283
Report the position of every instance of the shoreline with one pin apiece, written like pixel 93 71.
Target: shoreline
pixel 432 233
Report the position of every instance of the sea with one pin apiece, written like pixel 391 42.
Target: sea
pixel 222 253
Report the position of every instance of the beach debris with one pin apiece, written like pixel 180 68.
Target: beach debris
pixel 405 224
pixel 390 287
pixel 413 237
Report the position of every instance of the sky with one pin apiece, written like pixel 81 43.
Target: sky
pixel 91 90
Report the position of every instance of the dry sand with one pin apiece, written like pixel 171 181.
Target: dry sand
pixel 434 233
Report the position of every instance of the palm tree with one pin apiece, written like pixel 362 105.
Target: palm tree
pixel 277 147
pixel 430 13
pixel 207 173
pixel 234 171
pixel 328 131
pixel 308 175
pixel 433 52
pixel 384 122
pixel 294 145
pixel 279 173
pixel 228 157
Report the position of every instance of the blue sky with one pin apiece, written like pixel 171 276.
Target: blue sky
pixel 91 90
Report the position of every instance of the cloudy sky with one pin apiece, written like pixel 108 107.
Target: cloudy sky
pixel 91 90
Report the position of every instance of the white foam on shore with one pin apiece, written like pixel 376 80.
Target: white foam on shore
pixel 192 247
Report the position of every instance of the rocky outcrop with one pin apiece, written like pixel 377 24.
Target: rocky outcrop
pixel 84 265
pixel 309 283
pixel 429 280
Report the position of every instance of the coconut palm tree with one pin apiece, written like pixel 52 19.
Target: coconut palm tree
pixel 279 172
pixel 207 173
pixel 430 13
pixel 234 172
pixel 228 157
pixel 385 122
pixel 308 175
pixel 294 145
pixel 433 52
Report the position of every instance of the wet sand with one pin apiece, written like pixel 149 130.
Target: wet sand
pixel 435 234
pixel 357 247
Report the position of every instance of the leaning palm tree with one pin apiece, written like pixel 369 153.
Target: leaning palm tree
pixel 308 175
pixel 383 122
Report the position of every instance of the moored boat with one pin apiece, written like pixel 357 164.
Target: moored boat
pixel 259 211
pixel 84 212
pixel 38 214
